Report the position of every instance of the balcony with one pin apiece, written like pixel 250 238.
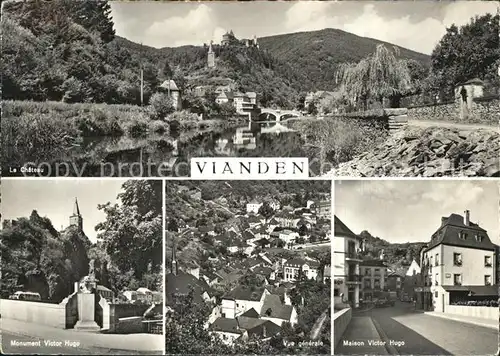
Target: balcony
pixel 353 278
pixel 353 256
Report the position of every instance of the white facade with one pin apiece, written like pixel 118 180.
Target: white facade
pixel 253 207
pixel 414 269
pixel 346 270
pixel 291 273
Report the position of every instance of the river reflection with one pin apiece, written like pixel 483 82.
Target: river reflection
pixel 125 156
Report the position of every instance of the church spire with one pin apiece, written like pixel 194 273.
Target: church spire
pixel 76 219
pixel 76 209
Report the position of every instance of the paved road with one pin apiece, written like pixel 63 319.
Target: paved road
pixel 420 334
pixel 465 127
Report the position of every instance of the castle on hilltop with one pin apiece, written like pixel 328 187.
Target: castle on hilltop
pixel 229 39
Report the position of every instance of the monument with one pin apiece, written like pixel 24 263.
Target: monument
pixel 86 302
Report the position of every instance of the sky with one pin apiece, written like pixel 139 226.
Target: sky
pixel 417 25
pixel 55 199
pixel 411 210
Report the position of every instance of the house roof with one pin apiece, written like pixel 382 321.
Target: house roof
pixel 169 84
pixel 266 271
pixel 299 262
pixel 452 226
pixel 274 308
pixel 266 329
pixel 475 81
pixel 341 230
pixel 245 293
pixel 250 313
pixel 225 325
pixel 182 284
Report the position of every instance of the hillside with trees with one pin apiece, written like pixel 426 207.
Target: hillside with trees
pixel 318 54
pixel 397 255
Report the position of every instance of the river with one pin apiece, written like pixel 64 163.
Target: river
pixel 125 156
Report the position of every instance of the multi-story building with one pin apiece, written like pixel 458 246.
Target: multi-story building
pixel 459 262
pixel 244 103
pixel 375 278
pixel 346 276
pixel 253 206
pixel 294 267
pixel 324 209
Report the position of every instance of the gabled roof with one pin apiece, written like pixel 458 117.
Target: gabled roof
pixel 169 84
pixel 274 308
pixel 452 226
pixel 225 325
pixel 250 313
pixel 182 284
pixel 341 230
pixel 245 293
pixel 264 329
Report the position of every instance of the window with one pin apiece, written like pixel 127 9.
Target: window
pixel 479 238
pixel 487 261
pixel 437 259
pixel 436 283
pixel 436 294
pixel 336 292
pixel 367 272
pixel 462 235
pixel 457 259
pixel 487 280
pixel 457 279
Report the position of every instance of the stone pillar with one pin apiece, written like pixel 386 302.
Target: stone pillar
pixel 86 313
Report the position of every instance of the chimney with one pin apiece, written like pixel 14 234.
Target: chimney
pixel 466 219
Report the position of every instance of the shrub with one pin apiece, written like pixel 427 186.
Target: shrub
pixel 160 105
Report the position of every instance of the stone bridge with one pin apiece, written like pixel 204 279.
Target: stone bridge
pixel 277 114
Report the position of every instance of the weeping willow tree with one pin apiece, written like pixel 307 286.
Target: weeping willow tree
pixel 381 75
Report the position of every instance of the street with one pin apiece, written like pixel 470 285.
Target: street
pixel 416 333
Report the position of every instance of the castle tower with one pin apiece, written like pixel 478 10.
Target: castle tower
pixel 211 57
pixel 76 219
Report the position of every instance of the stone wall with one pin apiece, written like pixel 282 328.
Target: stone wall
pixel 130 325
pixel 70 304
pixel 49 314
pixel 491 313
pixel 484 111
pixel 341 320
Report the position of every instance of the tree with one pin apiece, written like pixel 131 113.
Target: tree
pixel 266 211
pixel 227 110
pixel 93 16
pixel 132 231
pixel 471 51
pixel 379 76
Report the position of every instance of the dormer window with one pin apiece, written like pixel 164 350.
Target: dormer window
pixel 462 235
pixel 479 238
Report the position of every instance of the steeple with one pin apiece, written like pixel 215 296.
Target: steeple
pixel 76 209
pixel 76 219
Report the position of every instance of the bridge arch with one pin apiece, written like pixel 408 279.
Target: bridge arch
pixel 277 115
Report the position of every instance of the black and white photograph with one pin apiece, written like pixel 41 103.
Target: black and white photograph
pixel 248 267
pixel 82 267
pixel 416 267
pixel 139 88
